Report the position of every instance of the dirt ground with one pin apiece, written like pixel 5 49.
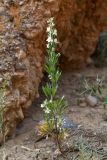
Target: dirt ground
pixel 91 125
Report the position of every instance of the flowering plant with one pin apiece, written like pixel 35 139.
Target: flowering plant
pixel 53 107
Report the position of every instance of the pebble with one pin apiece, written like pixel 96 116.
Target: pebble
pixel 67 123
pixel 91 100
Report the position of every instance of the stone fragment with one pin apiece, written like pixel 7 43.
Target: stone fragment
pixel 91 100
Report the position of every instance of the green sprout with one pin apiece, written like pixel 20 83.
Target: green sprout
pixel 95 88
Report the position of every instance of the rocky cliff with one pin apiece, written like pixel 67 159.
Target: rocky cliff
pixel 22 44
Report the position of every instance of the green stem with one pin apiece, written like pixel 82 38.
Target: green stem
pixel 57 134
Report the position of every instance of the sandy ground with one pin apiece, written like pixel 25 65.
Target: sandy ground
pixel 90 122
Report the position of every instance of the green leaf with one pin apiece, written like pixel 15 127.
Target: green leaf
pixel 105 101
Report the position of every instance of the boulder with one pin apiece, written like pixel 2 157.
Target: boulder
pixel 91 100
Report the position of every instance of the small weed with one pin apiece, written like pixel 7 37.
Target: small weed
pixel 95 88
pixel 86 152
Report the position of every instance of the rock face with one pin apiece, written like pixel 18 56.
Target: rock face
pixel 22 44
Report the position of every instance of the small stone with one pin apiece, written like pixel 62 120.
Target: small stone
pixel 67 123
pixel 91 100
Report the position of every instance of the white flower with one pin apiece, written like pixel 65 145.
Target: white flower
pixel 52 24
pixel 55 32
pixel 50 101
pixel 47 110
pixel 45 102
pixel 50 77
pixel 42 105
pixel 47 45
pixel 48 29
pixel 50 20
pixel 55 40
pixel 63 97
pixel 53 49
pixel 49 40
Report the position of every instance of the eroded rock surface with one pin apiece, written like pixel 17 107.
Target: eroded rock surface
pixel 22 44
